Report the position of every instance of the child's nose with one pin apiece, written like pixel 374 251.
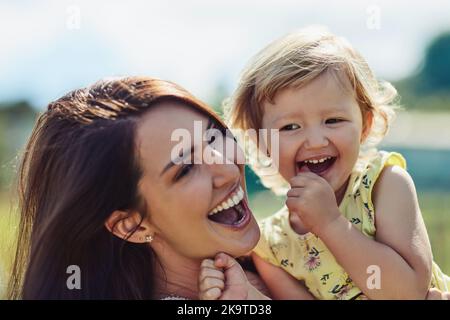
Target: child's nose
pixel 315 139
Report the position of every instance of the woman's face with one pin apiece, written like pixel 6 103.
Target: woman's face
pixel 185 201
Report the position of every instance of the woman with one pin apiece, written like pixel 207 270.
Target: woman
pixel 100 190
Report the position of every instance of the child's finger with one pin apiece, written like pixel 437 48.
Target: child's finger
pixel 294 203
pixel 207 263
pixel 434 294
pixel 211 294
pixel 294 192
pixel 299 181
pixel 223 260
pixel 211 273
pixel 305 178
pixel 209 283
pixel 234 274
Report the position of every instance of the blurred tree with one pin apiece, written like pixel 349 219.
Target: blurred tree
pixel 429 87
pixel 220 92
pixel 436 68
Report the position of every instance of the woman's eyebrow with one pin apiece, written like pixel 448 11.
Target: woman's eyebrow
pixel 184 154
pixel 179 160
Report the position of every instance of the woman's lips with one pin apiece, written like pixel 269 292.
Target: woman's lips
pixel 236 217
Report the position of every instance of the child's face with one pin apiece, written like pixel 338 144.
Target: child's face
pixel 320 122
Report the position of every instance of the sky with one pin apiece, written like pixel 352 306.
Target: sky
pixel 50 47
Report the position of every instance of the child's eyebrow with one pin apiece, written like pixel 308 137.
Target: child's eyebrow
pixel 299 113
pixel 336 108
pixel 287 115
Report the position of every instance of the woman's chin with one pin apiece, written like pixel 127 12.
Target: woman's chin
pixel 249 240
pixel 239 243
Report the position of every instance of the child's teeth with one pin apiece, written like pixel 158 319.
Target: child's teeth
pixel 318 160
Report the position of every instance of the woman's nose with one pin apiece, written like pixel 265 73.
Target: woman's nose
pixel 223 171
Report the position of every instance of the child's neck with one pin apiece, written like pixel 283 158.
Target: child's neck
pixel 297 224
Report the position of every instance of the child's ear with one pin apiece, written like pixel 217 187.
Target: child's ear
pixel 129 226
pixel 367 125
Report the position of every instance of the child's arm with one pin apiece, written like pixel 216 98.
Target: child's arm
pixel 223 278
pixel 401 249
pixel 282 286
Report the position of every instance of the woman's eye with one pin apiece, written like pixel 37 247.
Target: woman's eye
pixel 185 169
pixel 333 120
pixel 289 127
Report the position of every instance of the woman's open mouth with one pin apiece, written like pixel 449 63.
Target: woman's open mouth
pixel 233 211
pixel 317 166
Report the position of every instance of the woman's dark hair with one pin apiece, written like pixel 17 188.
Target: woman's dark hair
pixel 80 165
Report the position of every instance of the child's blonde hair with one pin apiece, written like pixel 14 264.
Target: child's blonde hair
pixel 292 62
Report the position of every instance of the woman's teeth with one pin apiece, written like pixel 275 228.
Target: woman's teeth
pixel 233 200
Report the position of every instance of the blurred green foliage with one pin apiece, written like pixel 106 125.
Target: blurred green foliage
pixel 16 122
pixel 429 87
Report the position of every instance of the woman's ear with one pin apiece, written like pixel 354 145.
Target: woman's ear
pixel 367 125
pixel 129 226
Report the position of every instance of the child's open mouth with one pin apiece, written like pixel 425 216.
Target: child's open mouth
pixel 316 166
pixel 233 212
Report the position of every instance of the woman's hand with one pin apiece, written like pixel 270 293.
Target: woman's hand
pixel 223 278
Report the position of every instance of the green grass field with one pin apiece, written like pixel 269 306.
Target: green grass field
pixel 435 209
pixel 8 224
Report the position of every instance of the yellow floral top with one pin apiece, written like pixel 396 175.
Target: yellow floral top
pixel 306 257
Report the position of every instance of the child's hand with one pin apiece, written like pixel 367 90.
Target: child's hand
pixel 313 200
pixel 224 279
pixel 435 294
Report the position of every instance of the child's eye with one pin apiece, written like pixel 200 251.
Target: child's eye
pixel 333 120
pixel 185 169
pixel 291 126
